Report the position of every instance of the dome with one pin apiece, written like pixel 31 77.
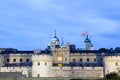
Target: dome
pixel 87 40
pixel 55 38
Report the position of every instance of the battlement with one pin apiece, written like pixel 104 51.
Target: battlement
pixel 41 57
pixel 24 70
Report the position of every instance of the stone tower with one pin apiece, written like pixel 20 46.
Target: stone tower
pixel 42 65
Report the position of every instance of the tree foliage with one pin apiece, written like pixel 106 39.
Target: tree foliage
pixel 113 76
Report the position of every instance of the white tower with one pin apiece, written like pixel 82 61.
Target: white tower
pixel 42 65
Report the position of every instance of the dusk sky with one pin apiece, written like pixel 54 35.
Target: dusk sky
pixel 30 24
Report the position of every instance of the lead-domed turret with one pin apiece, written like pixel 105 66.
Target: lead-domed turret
pixel 87 40
pixel 87 43
pixel 55 41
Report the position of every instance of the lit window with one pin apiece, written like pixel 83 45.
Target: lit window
pixel 59 58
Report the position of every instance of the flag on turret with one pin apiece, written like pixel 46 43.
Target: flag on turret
pixel 84 33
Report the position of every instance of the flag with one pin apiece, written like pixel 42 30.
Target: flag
pixel 84 34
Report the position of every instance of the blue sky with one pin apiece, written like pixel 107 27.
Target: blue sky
pixel 30 24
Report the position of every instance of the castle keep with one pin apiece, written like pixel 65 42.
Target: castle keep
pixel 59 60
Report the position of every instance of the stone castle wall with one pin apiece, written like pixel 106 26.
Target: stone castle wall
pixel 82 72
pixel 24 70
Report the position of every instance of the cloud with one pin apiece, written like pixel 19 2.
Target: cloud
pixel 31 23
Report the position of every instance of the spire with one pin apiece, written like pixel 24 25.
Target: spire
pixel 87 36
pixel 55 32
pixel 62 44
pixel 87 40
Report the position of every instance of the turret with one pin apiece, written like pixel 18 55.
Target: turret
pixel 55 42
pixel 87 44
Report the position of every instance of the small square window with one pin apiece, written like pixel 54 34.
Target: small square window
pixel 88 59
pixel 14 60
pixel 94 59
pixel 45 63
pixel 116 64
pixel 8 60
pixel 38 63
pixel 74 60
pixel 80 59
pixel 27 60
pixel 21 60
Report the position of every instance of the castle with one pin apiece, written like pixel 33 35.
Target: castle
pixel 59 60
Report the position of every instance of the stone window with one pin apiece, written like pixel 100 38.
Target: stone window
pixel 38 75
pixel 8 60
pixel 14 60
pixel 45 63
pixel 27 60
pixel 94 59
pixel 88 59
pixel 74 60
pixel 38 63
pixel 116 64
pixel 65 59
pixel 80 59
pixel 21 60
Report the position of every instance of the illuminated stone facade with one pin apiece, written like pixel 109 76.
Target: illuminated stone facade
pixel 60 61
